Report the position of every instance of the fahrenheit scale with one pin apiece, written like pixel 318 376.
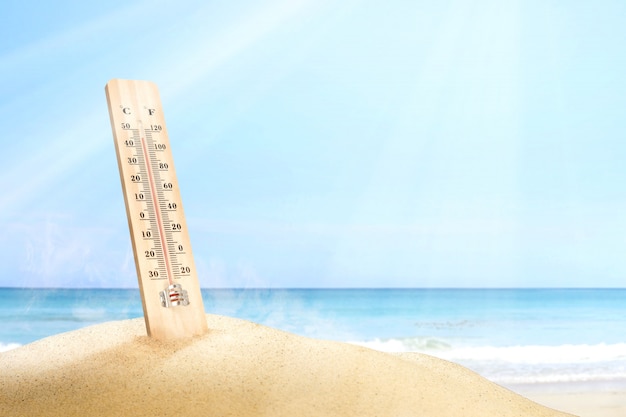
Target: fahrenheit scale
pixel 170 291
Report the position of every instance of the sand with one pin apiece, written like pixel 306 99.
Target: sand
pixel 238 369
pixel 591 403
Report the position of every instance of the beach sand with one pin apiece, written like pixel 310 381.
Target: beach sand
pixel 593 403
pixel 238 369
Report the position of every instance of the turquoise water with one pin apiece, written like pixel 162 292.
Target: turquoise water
pixel 512 336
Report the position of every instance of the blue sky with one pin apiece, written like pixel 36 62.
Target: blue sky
pixel 324 143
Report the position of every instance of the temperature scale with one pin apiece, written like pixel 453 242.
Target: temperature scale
pixel 170 291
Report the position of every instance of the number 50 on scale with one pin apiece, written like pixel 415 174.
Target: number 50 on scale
pixel 169 286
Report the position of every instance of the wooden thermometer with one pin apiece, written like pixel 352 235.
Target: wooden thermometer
pixel 170 291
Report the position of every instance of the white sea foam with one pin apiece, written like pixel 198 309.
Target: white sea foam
pixel 8 346
pixel 409 344
pixel 532 354
pixel 522 364
pixel 542 354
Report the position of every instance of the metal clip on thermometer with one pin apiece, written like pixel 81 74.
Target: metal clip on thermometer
pixel 156 220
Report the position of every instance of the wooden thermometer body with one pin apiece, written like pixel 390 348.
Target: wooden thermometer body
pixel 170 291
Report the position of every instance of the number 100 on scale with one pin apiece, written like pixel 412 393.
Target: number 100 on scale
pixel 154 202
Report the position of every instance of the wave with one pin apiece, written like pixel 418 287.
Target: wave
pixel 408 344
pixel 521 364
pixel 8 346
pixel 530 354
pixel 544 354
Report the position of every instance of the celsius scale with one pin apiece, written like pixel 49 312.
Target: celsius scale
pixel 170 291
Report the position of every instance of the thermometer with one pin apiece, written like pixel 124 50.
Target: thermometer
pixel 170 291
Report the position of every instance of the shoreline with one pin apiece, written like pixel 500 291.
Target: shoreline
pixel 583 399
pixel 582 403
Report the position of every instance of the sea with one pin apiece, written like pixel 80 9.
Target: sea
pixel 515 337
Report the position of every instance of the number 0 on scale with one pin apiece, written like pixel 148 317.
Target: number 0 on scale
pixel 170 291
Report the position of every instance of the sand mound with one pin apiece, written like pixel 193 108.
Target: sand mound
pixel 238 369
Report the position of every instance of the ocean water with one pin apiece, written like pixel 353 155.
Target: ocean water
pixel 512 336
